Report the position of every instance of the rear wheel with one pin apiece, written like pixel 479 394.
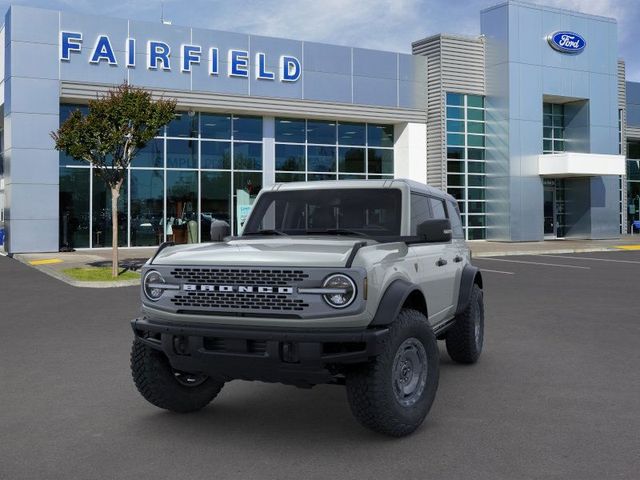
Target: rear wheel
pixel 465 338
pixel 167 388
pixel 393 393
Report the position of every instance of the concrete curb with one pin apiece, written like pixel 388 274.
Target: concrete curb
pixel 543 252
pixel 76 283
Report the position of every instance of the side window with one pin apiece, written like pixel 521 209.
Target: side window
pixel 437 207
pixel 420 211
pixel 456 223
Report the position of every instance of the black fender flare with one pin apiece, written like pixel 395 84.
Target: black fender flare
pixel 392 300
pixel 470 276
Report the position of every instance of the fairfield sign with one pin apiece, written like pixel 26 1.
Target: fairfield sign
pixel 159 56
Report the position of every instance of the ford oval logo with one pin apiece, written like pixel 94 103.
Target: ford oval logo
pixel 567 42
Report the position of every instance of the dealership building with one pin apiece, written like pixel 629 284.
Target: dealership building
pixel 531 125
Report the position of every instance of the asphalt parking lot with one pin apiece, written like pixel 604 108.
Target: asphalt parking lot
pixel 556 393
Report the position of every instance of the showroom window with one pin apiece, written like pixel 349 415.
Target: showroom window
pixel 330 150
pixel 195 181
pixel 465 140
pixel 633 182
pixel 553 140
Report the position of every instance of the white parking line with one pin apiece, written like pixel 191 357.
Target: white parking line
pixel 497 271
pixel 532 263
pixel 590 258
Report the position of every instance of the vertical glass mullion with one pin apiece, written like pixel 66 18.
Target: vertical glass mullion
pixel 366 151
pixel 466 169
pixel 164 195
pixel 234 229
pixel 306 153
pixel 337 148
pixel 198 171
pixel 90 206
pixel 128 206
pixel 199 199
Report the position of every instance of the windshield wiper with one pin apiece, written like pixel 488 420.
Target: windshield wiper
pixel 338 231
pixel 267 231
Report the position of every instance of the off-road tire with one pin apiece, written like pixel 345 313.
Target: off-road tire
pixel 370 387
pixel 465 338
pixel 155 380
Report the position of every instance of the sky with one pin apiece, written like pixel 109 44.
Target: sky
pixel 378 24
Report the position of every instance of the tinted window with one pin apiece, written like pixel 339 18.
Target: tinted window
pixel 321 132
pixel 184 124
pixel 437 207
pixel 351 133
pixel 290 157
pixel 182 154
pixel 215 126
pixel 247 128
pixel 380 135
pixel 419 211
pixel 290 130
pixel 151 155
pixel 321 159
pixel 456 223
pixel 215 154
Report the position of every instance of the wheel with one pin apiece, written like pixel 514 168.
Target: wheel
pixel 166 387
pixel 464 339
pixel 393 393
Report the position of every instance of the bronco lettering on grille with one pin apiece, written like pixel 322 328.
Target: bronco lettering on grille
pixel 236 289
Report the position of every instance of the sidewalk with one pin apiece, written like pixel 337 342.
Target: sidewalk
pixel 54 263
pixel 482 248
pixel 133 258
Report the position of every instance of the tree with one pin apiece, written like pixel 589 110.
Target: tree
pixel 117 126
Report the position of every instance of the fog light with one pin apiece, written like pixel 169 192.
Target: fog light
pixel 289 352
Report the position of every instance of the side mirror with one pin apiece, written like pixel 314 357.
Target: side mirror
pixel 435 230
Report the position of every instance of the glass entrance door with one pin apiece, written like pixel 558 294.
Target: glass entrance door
pixel 549 207
pixel 554 208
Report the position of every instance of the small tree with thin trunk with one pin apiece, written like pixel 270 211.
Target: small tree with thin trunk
pixel 117 126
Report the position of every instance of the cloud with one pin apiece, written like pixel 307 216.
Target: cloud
pixel 627 15
pixel 384 24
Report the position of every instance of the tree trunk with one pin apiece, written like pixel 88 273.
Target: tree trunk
pixel 115 194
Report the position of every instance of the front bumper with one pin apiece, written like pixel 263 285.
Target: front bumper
pixel 293 356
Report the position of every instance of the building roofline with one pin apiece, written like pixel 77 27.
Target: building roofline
pixel 454 36
pixel 208 29
pixel 537 6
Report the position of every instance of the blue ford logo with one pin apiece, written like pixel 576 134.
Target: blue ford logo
pixel 567 42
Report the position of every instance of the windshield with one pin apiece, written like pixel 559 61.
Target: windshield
pixel 366 212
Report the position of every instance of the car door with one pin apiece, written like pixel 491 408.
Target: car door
pixel 462 251
pixel 448 262
pixel 433 263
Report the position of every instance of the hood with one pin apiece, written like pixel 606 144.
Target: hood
pixel 324 251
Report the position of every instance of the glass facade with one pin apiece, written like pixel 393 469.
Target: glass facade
pixel 633 182
pixel 196 180
pixel 193 182
pixel 465 131
pixel 553 128
pixel 330 150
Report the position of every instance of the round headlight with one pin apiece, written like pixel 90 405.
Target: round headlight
pixel 150 285
pixel 344 290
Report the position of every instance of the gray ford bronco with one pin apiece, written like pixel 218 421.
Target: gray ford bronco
pixel 343 282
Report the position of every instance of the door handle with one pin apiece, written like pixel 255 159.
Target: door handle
pixel 441 262
pixel 457 259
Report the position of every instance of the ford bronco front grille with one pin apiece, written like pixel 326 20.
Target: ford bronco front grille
pixel 236 301
pixel 237 276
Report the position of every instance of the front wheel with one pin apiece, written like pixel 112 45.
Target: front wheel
pixel 165 387
pixel 393 393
